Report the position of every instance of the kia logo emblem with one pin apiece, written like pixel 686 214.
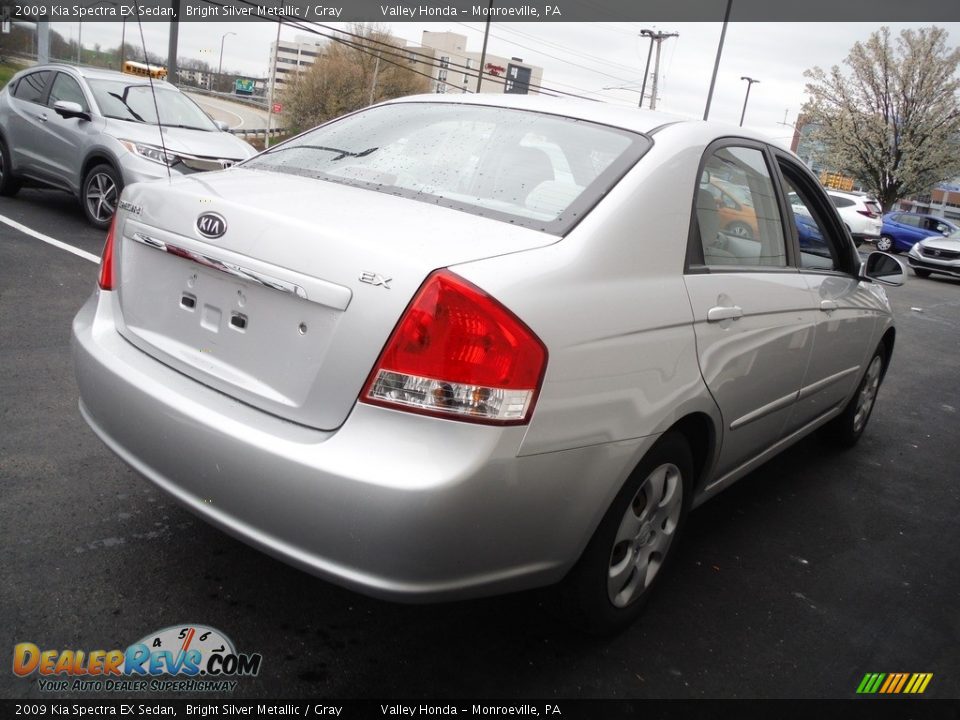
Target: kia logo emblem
pixel 211 225
pixel 936 252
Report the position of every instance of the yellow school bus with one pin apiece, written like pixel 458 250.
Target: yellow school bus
pixel 157 72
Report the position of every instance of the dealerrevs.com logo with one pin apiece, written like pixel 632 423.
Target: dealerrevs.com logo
pixel 180 658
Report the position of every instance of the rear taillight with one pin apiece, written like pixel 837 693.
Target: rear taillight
pixel 458 353
pixel 867 213
pixel 106 259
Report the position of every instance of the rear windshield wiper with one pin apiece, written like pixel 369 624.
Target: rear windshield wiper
pixel 342 153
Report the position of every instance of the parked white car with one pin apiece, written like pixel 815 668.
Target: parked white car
pixel 861 214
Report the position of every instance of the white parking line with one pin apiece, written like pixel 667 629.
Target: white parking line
pixel 52 241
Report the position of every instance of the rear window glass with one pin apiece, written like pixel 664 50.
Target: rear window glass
pixel 873 207
pixel 30 87
pixel 531 169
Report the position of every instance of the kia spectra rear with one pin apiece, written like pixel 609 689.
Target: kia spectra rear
pixel 449 348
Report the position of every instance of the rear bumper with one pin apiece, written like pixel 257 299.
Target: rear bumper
pixel 391 504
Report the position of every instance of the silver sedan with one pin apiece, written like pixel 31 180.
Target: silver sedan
pixel 449 348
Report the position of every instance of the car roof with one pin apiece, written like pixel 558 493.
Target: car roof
pixel 627 118
pixel 96 73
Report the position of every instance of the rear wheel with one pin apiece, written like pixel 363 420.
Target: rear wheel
pixel 9 185
pixel 885 244
pixel 845 429
pixel 101 192
pixel 920 272
pixel 612 581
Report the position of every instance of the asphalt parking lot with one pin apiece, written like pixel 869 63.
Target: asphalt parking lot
pixel 816 569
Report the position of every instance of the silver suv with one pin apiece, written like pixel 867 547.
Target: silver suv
pixel 91 131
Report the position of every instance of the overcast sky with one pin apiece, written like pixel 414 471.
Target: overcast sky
pixel 585 58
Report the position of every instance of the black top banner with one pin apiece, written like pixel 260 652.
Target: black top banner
pixel 877 11
pixel 541 708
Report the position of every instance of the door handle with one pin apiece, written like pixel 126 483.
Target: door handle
pixel 828 305
pixel 724 312
pixel 42 118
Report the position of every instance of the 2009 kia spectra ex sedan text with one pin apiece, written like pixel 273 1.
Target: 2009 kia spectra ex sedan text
pixel 439 349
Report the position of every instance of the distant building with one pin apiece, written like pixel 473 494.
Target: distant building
pixel 453 69
pixel 196 78
pixel 292 57
pixel 943 201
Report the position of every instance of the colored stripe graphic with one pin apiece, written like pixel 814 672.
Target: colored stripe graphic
pixel 894 683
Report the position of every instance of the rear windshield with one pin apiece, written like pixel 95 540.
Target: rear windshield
pixel 531 169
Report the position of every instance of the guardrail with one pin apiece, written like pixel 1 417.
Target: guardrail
pixel 258 132
pixel 240 99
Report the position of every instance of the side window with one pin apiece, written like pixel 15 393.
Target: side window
pixel 815 250
pixel 911 220
pixel 823 244
pixel 66 88
pixel 840 202
pixel 737 212
pixel 30 87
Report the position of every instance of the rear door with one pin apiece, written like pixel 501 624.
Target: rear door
pixel 28 116
pixel 753 313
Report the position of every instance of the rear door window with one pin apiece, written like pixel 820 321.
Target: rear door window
pixel 31 87
pixel 737 215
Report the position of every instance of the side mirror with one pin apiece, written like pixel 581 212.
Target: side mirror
pixel 67 110
pixel 883 268
pixel 221 125
pixel 705 177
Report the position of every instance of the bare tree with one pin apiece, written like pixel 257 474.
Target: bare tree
pixel 892 120
pixel 348 75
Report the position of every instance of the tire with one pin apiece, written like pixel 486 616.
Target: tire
pixel 740 230
pixel 101 192
pixel 9 185
pixel 605 592
pixel 885 244
pixel 921 273
pixel 845 429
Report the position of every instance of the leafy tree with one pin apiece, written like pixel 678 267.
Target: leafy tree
pixel 347 76
pixel 892 120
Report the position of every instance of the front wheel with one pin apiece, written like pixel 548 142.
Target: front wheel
pixel 845 429
pixel 612 581
pixel 885 244
pixel 101 193
pixel 921 273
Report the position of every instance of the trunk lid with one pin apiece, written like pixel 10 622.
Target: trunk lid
pixel 289 309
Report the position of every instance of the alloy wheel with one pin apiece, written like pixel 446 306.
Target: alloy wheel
pixel 101 197
pixel 884 243
pixel 644 535
pixel 868 394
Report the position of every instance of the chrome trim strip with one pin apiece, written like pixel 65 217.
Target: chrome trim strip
pixel 810 389
pixel 213 263
pixel 765 410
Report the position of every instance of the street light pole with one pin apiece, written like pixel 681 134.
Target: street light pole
pixel 716 63
pixel 750 82
pixel 220 67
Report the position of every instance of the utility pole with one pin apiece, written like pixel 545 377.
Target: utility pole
pixel 483 53
pixel 43 40
pixel 172 44
pixel 273 82
pixel 646 69
pixel 373 84
pixel 655 37
pixel 750 82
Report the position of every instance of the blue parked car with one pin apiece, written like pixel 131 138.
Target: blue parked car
pixel 902 229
